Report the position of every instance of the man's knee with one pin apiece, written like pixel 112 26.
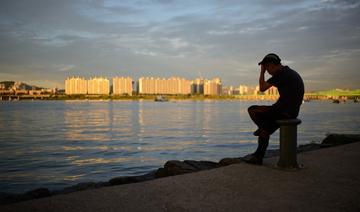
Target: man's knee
pixel 252 109
pixel 264 134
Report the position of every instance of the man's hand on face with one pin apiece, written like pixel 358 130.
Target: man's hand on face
pixel 263 69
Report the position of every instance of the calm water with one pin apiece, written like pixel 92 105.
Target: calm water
pixel 60 143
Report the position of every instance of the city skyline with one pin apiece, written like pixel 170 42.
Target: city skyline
pixel 144 85
pixel 135 81
pixel 43 42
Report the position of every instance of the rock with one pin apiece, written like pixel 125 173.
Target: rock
pixel 81 187
pixel 148 176
pixel 35 194
pixel 132 179
pixel 8 198
pixel 124 180
pixel 174 167
pixel 202 165
pixel 338 139
pixel 161 172
pixel 229 161
pixel 308 147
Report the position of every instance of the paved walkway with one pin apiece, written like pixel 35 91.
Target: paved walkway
pixel 330 181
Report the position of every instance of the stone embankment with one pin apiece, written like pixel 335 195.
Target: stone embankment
pixel 170 168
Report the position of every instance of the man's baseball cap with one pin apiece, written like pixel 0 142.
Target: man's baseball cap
pixel 270 58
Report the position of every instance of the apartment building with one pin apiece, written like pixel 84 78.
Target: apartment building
pixel 173 85
pixel 212 87
pixel 98 86
pixel 122 86
pixel 197 86
pixel 76 85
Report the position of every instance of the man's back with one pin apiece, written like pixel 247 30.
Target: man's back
pixel 291 90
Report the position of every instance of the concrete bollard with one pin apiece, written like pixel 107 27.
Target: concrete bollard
pixel 288 143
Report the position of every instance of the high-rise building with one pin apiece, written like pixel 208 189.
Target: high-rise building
pixel 75 85
pixel 173 85
pixel 243 89
pixel 212 87
pixel 122 85
pixel 257 90
pixel 197 86
pixel 227 90
pixel 184 86
pixel 99 86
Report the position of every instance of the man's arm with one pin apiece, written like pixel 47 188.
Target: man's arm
pixel 262 83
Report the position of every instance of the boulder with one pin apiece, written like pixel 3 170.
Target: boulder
pixel 161 172
pixel 81 187
pixel 8 198
pixel 174 167
pixel 338 139
pixel 132 179
pixel 202 165
pixel 123 180
pixel 229 161
pixel 308 147
pixel 36 193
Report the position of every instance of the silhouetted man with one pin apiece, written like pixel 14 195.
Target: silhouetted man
pixel 291 91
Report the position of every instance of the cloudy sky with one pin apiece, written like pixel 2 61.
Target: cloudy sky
pixel 44 41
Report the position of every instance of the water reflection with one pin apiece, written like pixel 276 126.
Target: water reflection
pixel 58 143
pixel 85 122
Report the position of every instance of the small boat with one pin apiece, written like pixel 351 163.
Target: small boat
pixel 336 101
pixel 160 99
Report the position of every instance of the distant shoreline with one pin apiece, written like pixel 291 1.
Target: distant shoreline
pixel 307 97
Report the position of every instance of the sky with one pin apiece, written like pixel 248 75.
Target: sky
pixel 42 42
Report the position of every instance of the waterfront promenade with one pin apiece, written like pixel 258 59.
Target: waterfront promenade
pixel 330 181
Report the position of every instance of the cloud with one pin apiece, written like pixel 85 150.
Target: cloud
pixel 67 68
pixel 50 39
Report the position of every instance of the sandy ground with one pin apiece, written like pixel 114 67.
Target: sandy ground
pixel 329 181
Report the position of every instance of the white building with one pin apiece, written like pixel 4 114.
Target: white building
pixel 212 87
pixel 75 85
pixel 99 86
pixel 122 85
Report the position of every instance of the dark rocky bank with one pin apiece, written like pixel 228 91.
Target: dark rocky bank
pixel 171 168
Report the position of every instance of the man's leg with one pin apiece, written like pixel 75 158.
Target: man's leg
pixel 258 115
pixel 258 155
pixel 263 143
pixel 263 118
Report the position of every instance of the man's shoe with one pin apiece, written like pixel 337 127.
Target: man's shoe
pixel 252 159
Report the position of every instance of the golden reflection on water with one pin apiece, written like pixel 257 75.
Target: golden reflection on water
pixel 100 161
pixel 73 177
pixel 104 124
pixel 153 121
pixel 89 123
pixel 119 160
pixel 78 148
pixel 80 122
